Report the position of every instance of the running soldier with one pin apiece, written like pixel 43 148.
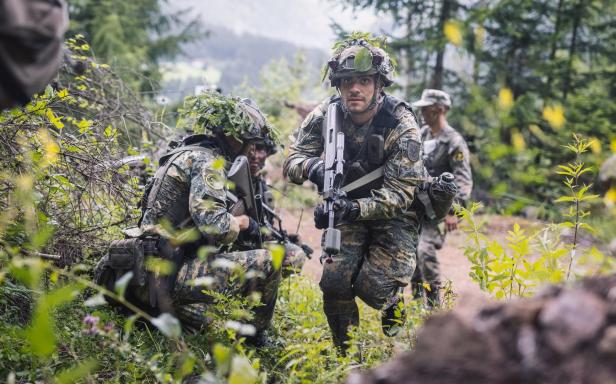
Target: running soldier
pixel 444 151
pixel 379 230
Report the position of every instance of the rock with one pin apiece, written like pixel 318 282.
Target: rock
pixel 573 318
pixel 564 335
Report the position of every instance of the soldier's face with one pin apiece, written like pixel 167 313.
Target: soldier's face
pixel 257 158
pixel 431 114
pixel 357 92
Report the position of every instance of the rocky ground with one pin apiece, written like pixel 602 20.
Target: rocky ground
pixel 558 336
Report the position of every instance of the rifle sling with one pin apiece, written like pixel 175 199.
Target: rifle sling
pixel 364 180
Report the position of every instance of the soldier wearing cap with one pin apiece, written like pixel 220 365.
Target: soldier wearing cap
pixel 379 229
pixel 444 150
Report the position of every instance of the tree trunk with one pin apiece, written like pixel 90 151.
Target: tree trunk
pixel 557 27
pixel 437 78
pixel 577 18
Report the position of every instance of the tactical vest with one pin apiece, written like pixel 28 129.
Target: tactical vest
pixel 371 155
pixel 167 197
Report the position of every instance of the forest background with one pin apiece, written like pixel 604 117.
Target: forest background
pixel 524 75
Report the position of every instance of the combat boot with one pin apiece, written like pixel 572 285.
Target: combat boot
pixel 259 340
pixel 434 300
pixel 393 317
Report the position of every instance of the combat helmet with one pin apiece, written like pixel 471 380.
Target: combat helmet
pixel 213 114
pixel 360 55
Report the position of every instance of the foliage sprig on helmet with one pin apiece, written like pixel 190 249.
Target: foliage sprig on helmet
pixel 360 54
pixel 212 113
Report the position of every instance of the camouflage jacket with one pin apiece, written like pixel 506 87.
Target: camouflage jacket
pixel 403 168
pixel 448 152
pixel 193 194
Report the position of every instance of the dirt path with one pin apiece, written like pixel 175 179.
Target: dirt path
pixel 454 265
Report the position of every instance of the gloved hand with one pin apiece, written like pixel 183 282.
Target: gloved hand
pixel 344 210
pixel 253 232
pixel 316 173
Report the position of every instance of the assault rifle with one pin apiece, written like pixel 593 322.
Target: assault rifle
pixel 254 204
pixel 333 138
pixel 239 174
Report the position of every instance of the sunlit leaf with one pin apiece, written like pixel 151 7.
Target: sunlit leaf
pixel 222 357
pixel 96 300
pixel 242 372
pixel 610 197
pixel 53 119
pixel 505 98
pixel 517 141
pixel 168 325
pixel 595 146
pixel 122 283
pixel 452 32
pixel 80 371
pixel 363 60
pixel 277 251
pixel 555 116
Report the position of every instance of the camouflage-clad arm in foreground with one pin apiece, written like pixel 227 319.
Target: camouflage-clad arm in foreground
pixel 207 200
pixel 308 144
pixel 402 171
pixel 459 161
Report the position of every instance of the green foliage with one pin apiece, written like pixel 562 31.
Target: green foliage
pixel 526 260
pixel 133 36
pixel 210 110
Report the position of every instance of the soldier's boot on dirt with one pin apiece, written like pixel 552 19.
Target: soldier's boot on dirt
pixel 433 296
pixel 418 291
pixel 393 317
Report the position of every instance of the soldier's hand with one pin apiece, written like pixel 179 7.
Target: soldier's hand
pixel 316 174
pixel 320 217
pixel 451 223
pixel 344 210
pixel 243 221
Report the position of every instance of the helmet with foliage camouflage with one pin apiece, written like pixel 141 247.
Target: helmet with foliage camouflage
pixel 358 55
pixel 212 113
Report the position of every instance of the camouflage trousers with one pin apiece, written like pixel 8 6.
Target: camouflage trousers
pixel 431 239
pixel 233 273
pixel 376 259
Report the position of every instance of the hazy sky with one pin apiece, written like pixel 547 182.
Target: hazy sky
pixel 305 22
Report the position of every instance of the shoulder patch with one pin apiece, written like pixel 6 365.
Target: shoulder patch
pixel 413 150
pixel 214 182
pixel 458 155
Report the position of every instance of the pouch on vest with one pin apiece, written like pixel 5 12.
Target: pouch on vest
pixel 375 150
pixel 128 255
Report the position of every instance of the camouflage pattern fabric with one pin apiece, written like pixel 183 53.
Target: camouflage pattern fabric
pixel 430 240
pixel 220 274
pixel 378 251
pixel 193 193
pixel 446 152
